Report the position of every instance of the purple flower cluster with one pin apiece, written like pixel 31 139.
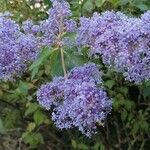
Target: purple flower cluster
pixel 123 42
pixel 86 73
pixel 77 101
pixel 51 93
pixel 20 44
pixel 57 24
pixel 16 48
pixel 30 28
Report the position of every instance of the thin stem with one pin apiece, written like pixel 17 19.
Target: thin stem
pixel 61 27
pixel 63 62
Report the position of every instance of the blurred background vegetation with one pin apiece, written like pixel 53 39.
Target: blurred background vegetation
pixel 24 125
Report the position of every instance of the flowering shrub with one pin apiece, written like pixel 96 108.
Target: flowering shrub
pixel 89 74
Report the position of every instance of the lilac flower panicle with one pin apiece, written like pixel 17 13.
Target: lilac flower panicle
pixel 90 106
pixel 28 47
pixel 16 49
pixel 60 7
pixel 57 23
pixel 120 41
pixel 77 100
pixel 10 62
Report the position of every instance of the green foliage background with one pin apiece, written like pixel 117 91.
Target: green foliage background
pixel 24 125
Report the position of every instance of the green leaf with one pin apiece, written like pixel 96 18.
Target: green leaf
pixel 110 83
pixel 12 118
pixel 32 107
pixel 115 3
pixel 74 144
pixel 144 125
pixel 47 2
pixel 3 5
pixel 82 146
pixel 34 72
pixel 98 146
pixel 2 130
pixel 136 127
pixel 23 88
pixel 32 138
pixel 73 59
pixel 31 126
pixel 55 63
pixel 88 6
pixel 124 2
pixel 124 115
pixel 129 104
pixel 146 92
pixel 45 53
pixel 39 117
pixel 99 3
pixel 142 6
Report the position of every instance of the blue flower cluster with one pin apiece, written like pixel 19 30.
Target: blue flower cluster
pixel 77 101
pixel 17 49
pixel 123 42
pixel 19 44
pixel 57 24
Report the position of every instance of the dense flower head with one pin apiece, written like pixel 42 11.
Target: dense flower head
pixel 30 28
pixel 16 48
pixel 83 108
pixel 70 25
pixel 86 73
pixel 28 45
pixel 57 23
pixel 76 101
pixel 10 61
pixel 123 42
pixel 9 29
pixel 60 9
pixel 27 26
pixel 50 93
